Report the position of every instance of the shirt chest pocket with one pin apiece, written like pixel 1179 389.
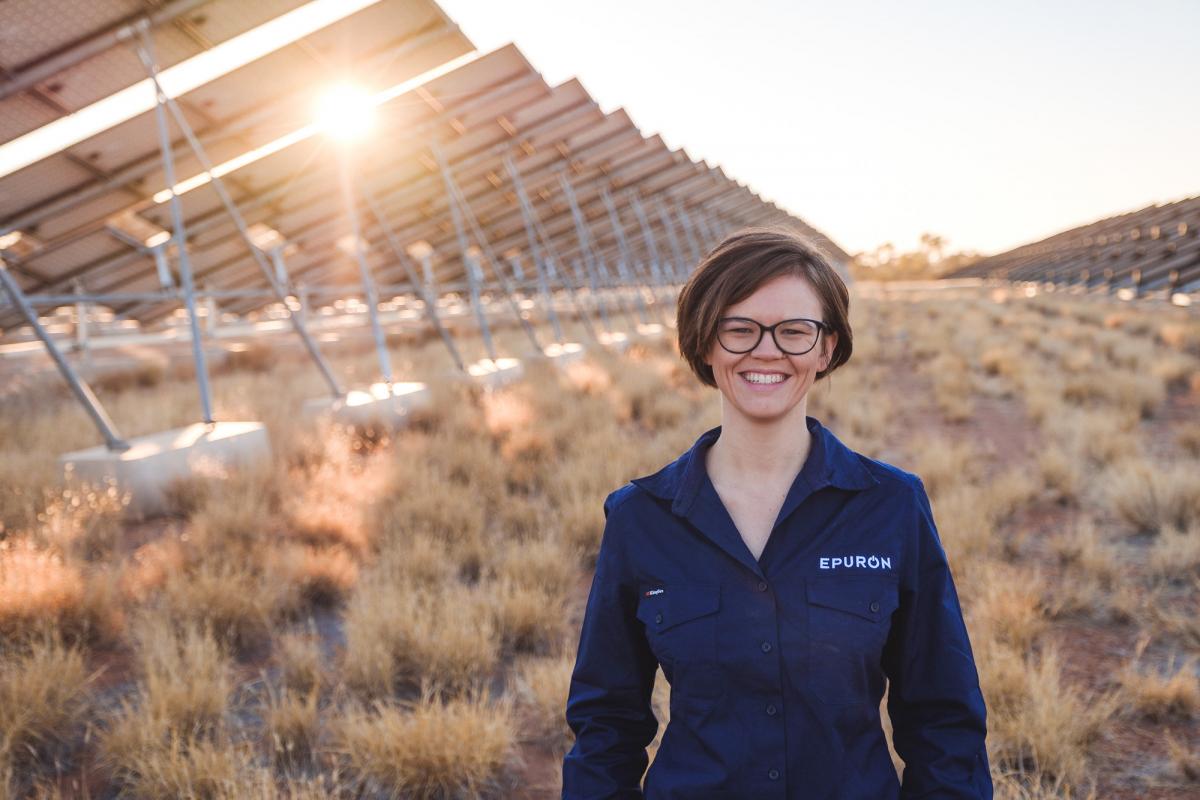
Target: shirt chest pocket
pixel 848 622
pixel 681 621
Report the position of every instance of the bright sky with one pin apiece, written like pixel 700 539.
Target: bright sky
pixel 989 123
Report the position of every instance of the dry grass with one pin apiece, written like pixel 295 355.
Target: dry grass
pixel 428 748
pixel 292 721
pixel 399 634
pixel 1173 693
pixel 1151 496
pixel 540 686
pixel 44 690
pixel 1047 726
pixel 454 555
pixel 1184 759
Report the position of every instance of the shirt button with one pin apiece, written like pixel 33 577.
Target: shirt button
pixel 658 619
pixel 762 586
pixel 771 710
pixel 874 606
pixel 773 774
pixel 766 647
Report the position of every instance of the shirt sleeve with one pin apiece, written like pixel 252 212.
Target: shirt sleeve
pixel 934 700
pixel 608 705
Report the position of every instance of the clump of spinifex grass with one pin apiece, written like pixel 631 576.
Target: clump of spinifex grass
pixel 399 634
pixel 428 748
pixel 44 691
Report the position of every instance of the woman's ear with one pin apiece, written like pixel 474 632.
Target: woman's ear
pixel 827 350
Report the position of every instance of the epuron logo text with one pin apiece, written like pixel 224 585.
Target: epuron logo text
pixel 860 562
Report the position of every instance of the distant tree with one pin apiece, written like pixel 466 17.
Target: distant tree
pixel 929 261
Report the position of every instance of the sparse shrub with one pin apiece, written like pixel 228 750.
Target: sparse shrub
pixel 429 749
pixel 38 589
pixel 398 634
pixel 1047 726
pixel 1008 604
pixel 1149 497
pixel 1184 759
pixel 43 691
pixel 298 656
pixel 292 720
pixel 528 617
pixel 1159 696
pixel 541 686
pixel 1060 472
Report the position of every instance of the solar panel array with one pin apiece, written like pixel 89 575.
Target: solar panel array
pixel 82 219
pixel 1155 249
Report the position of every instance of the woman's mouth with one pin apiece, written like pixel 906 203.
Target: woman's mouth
pixel 763 381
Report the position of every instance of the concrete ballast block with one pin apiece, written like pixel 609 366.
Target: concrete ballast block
pixel 617 340
pixel 152 462
pixel 496 373
pixel 565 353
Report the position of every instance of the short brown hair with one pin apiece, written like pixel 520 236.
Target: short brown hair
pixel 742 262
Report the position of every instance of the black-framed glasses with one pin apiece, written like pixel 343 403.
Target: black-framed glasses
pixel 795 337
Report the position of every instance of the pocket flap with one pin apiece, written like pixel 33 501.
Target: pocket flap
pixel 870 598
pixel 677 604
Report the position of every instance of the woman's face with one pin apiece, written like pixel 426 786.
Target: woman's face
pixel 766 384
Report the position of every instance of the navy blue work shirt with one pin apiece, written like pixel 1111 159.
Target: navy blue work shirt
pixel 777 666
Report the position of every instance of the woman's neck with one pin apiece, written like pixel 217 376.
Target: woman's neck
pixel 757 452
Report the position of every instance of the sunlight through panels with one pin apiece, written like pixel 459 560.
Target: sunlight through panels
pixel 176 80
pixel 287 140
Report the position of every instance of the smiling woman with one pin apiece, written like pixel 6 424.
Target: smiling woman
pixel 779 579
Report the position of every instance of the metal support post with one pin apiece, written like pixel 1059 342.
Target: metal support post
pixel 715 226
pixel 281 273
pixel 426 289
pixel 161 266
pixel 82 392
pixel 672 241
pixel 625 262
pixel 211 313
pixel 692 236
pixel 81 320
pixel 585 245
pixel 648 237
pixel 179 234
pixel 302 296
pixel 474 278
pixel 461 209
pixel 219 186
pixel 539 258
pixel 360 255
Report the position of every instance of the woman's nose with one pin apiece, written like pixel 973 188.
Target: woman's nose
pixel 766 347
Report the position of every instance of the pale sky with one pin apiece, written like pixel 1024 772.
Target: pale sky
pixel 990 123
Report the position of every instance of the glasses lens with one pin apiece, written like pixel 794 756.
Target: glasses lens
pixel 737 335
pixel 797 336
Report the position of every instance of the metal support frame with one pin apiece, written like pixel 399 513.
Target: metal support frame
pixel 539 258
pixel 677 270
pixel 425 290
pixel 230 207
pixel 656 264
pixel 461 209
pixel 657 273
pixel 625 262
pixel 82 392
pixel 469 264
pixel 588 259
pixel 370 293
pixel 179 233
pixel 81 322
pixel 692 235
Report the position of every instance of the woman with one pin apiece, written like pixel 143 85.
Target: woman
pixel 777 577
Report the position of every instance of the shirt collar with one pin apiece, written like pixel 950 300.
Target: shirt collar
pixel 829 463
